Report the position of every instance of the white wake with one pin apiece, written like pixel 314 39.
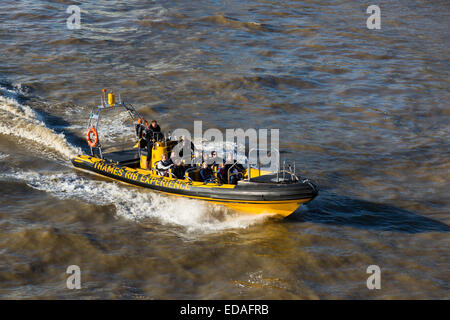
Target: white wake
pixel 22 121
pixel 137 204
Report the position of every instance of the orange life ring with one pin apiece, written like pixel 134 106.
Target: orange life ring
pixel 91 143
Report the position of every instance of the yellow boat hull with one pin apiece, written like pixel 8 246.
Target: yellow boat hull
pixel 235 197
pixel 281 208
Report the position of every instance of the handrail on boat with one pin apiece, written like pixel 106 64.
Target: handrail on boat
pixel 259 163
pixel 186 173
pixel 172 175
pixel 228 172
pixel 291 173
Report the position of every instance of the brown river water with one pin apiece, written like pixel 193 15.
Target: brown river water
pixel 365 114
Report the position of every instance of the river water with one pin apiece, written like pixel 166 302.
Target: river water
pixel 365 113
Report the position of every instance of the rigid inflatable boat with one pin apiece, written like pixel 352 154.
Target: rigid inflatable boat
pixel 258 191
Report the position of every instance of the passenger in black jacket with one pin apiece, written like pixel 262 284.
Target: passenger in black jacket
pixel 179 169
pixel 221 174
pixel 215 160
pixel 206 173
pixel 197 161
pixel 186 144
pixel 237 170
pixel 153 132
pixel 155 126
pixel 140 127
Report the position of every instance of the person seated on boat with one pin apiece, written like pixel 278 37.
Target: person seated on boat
pixel 215 160
pixel 221 173
pixel 231 161
pixel 174 157
pixel 164 165
pixel 206 173
pixel 197 160
pixel 186 144
pixel 235 175
pixel 206 159
pixel 179 169
pixel 237 169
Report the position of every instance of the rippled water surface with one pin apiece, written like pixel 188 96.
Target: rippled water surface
pixel 365 113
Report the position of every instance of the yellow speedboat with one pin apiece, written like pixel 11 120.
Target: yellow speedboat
pixel 258 192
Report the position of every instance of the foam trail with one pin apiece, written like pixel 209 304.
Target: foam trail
pixel 134 204
pixel 22 121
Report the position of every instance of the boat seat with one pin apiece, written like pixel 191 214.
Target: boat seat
pixel 194 173
pixel 272 178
